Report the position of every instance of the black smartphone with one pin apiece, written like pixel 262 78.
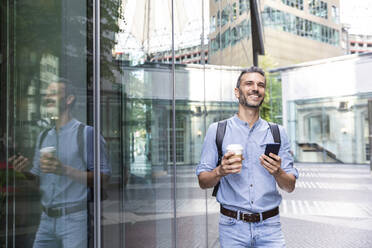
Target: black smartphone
pixel 272 148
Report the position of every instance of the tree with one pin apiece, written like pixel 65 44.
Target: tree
pixel 271 109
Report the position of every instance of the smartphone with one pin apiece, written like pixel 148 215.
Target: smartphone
pixel 272 148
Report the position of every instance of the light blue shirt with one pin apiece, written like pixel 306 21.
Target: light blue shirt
pixel 254 189
pixel 58 190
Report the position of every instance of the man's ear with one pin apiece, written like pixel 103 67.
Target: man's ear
pixel 236 92
pixel 70 99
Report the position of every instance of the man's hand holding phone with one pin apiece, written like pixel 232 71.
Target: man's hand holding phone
pixel 270 160
pixel 20 163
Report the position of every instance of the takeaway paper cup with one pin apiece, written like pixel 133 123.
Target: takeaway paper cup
pixel 48 149
pixel 237 149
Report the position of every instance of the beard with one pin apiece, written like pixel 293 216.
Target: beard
pixel 243 100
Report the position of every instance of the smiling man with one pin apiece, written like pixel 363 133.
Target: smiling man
pixel 247 191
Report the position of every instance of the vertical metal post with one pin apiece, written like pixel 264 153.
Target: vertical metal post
pixel 96 122
pixel 8 25
pixel 174 136
pixel 204 121
pixel 370 132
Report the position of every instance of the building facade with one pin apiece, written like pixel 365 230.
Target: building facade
pixel 187 55
pixel 329 121
pixel 312 26
pixel 360 43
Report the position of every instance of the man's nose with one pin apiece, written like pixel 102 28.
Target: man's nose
pixel 254 86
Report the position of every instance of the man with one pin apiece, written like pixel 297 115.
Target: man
pixel 65 176
pixel 248 188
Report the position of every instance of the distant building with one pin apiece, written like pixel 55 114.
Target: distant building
pixel 294 31
pixel 360 43
pixel 188 55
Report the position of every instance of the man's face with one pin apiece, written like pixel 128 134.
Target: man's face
pixel 55 99
pixel 251 92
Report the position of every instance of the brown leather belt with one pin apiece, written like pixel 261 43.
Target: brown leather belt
pixel 255 217
pixel 58 212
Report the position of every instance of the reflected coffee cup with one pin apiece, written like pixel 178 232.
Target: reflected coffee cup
pixel 237 149
pixel 48 149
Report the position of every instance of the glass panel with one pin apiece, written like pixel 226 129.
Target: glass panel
pixel 46 162
pixel 332 130
pixel 136 104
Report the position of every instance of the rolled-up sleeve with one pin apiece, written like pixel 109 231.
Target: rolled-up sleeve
pixel 36 160
pixel 286 155
pixel 209 154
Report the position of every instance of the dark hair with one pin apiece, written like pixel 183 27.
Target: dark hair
pixel 251 69
pixel 70 88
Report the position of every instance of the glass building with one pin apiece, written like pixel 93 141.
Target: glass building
pixel 77 77
pixel 329 121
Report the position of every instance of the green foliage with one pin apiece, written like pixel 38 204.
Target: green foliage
pixel 271 109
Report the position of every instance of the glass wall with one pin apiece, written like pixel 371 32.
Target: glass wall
pixel 299 26
pixel 46 162
pixel 330 130
pixel 153 117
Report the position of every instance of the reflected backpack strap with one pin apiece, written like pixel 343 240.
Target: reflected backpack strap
pixel 80 141
pixel 221 129
pixel 275 132
pixel 42 137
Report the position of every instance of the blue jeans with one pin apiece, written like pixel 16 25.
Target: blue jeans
pixel 237 233
pixel 67 231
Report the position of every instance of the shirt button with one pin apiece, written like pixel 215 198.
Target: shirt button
pixel 251 185
pixel 252 202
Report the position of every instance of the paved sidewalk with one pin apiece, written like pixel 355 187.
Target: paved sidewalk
pixel 330 208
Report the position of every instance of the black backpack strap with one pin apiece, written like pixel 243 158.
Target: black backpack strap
pixel 80 141
pixel 221 129
pixel 275 132
pixel 42 137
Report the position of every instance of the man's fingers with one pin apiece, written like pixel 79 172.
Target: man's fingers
pixel 228 155
pixel 274 156
pixel 12 158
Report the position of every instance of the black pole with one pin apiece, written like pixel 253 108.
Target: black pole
pixel 255 58
pixel 256 29
pixel 370 132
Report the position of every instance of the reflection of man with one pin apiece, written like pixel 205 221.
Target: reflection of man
pixel 65 173
pixel 248 188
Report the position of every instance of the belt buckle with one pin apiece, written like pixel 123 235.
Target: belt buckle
pixel 250 217
pixel 55 212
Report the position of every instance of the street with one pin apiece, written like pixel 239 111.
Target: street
pixel 330 207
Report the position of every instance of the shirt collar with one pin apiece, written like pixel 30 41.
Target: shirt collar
pixel 244 123
pixel 67 125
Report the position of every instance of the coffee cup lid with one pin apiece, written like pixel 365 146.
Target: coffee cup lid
pixel 48 149
pixel 234 147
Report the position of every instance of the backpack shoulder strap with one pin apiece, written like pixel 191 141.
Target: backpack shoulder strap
pixel 221 129
pixel 275 132
pixel 80 141
pixel 44 133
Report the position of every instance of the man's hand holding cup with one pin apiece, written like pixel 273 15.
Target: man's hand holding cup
pixel 231 162
pixel 49 163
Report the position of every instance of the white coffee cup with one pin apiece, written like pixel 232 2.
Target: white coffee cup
pixel 235 148
pixel 238 150
pixel 48 149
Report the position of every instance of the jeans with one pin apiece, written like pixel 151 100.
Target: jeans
pixel 67 231
pixel 237 233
